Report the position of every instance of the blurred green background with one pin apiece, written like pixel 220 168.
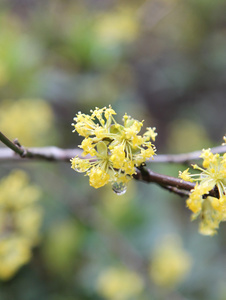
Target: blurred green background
pixel 162 61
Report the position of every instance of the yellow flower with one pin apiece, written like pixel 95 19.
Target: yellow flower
pixel 98 177
pixel 116 149
pixel 119 284
pixel 88 147
pixel 118 156
pixel 150 133
pixel 170 263
pixel 185 175
pixel 208 157
pixel 212 213
pixel 212 210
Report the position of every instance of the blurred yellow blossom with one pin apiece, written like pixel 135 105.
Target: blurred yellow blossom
pixel 14 252
pixel 119 284
pixel 115 150
pixel 20 220
pixel 16 193
pixel 29 120
pixel 170 263
pixel 117 27
pixel 212 210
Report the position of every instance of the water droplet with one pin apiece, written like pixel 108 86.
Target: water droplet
pixel 119 188
pixel 81 169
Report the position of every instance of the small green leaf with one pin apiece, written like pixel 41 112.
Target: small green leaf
pixel 102 148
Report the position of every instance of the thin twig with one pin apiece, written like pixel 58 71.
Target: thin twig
pixel 15 152
pixel 175 190
pixel 52 154
pixel 17 149
pixel 149 176
pixel 185 157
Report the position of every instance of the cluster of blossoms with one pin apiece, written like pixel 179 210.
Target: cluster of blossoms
pixel 20 220
pixel 212 210
pixel 115 150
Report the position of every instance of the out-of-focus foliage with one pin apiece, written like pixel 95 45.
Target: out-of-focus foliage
pixel 162 61
pixel 60 249
pixel 20 55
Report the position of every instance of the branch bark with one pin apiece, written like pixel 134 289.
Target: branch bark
pixel 185 158
pixel 52 154
pixel 15 152
pixel 57 154
pixel 173 184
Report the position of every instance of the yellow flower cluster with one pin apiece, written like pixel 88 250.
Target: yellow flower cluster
pixel 170 263
pixel 20 219
pixel 115 150
pixel 119 284
pixel 212 210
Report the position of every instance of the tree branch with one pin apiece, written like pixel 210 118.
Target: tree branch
pixel 52 154
pixel 176 185
pixel 185 158
pixel 11 145
pixel 177 191
pixel 58 154
pixel 15 152
pixel 173 184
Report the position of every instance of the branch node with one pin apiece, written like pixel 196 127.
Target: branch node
pixel 24 150
pixel 24 153
pixel 17 143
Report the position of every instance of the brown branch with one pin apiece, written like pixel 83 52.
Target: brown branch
pixel 13 146
pixel 176 185
pixel 16 152
pixel 150 176
pixel 176 190
pixel 45 153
